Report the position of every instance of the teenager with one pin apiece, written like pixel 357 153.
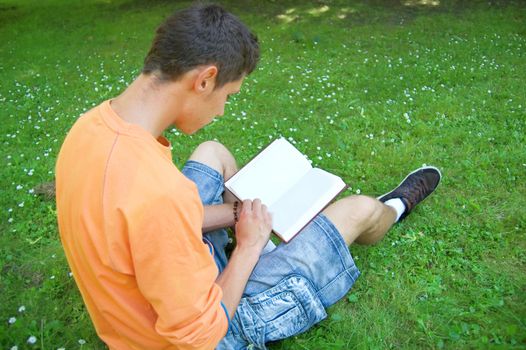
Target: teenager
pixel 146 241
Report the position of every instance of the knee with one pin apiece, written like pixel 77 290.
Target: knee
pixel 365 202
pixel 365 208
pixel 216 155
pixel 221 152
pixel 212 147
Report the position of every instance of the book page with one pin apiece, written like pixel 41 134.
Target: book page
pixel 270 173
pixel 303 201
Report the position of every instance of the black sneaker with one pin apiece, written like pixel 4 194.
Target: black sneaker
pixel 415 188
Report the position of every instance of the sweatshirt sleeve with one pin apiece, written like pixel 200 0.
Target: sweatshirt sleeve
pixel 176 272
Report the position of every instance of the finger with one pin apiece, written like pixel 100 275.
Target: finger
pixel 266 215
pixel 264 211
pixel 256 206
pixel 247 206
pixel 268 218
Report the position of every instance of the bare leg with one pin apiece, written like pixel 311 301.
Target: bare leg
pixel 219 158
pixel 361 219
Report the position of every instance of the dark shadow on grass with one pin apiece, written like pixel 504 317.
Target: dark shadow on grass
pixel 338 12
pixel 400 12
pixel 8 14
pixel 343 14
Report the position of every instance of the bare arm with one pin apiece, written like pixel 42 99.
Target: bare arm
pixel 252 234
pixel 218 216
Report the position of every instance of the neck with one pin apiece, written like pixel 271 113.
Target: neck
pixel 148 104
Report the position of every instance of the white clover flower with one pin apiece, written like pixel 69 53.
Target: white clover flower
pixel 22 308
pixel 14 347
pixel 11 320
pixel 32 340
pixel 82 341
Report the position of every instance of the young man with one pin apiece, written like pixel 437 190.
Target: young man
pixel 146 242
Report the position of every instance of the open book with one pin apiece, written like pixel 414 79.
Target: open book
pixel 285 181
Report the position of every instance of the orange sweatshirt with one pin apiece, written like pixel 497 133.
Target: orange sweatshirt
pixel 130 224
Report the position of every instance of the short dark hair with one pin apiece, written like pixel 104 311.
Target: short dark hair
pixel 199 35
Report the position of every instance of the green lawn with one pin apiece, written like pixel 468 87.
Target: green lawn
pixel 367 89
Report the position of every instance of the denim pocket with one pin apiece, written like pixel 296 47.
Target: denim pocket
pixel 289 308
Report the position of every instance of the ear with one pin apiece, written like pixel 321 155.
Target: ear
pixel 206 79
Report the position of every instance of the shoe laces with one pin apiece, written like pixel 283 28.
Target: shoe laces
pixel 416 190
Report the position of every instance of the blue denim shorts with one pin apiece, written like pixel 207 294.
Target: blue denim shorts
pixel 291 285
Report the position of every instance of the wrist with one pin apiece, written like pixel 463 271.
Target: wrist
pixel 248 254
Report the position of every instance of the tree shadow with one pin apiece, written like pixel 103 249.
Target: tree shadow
pixel 339 12
pixel 8 13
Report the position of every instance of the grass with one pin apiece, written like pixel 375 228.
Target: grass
pixel 368 90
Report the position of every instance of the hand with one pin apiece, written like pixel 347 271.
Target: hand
pixel 254 226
